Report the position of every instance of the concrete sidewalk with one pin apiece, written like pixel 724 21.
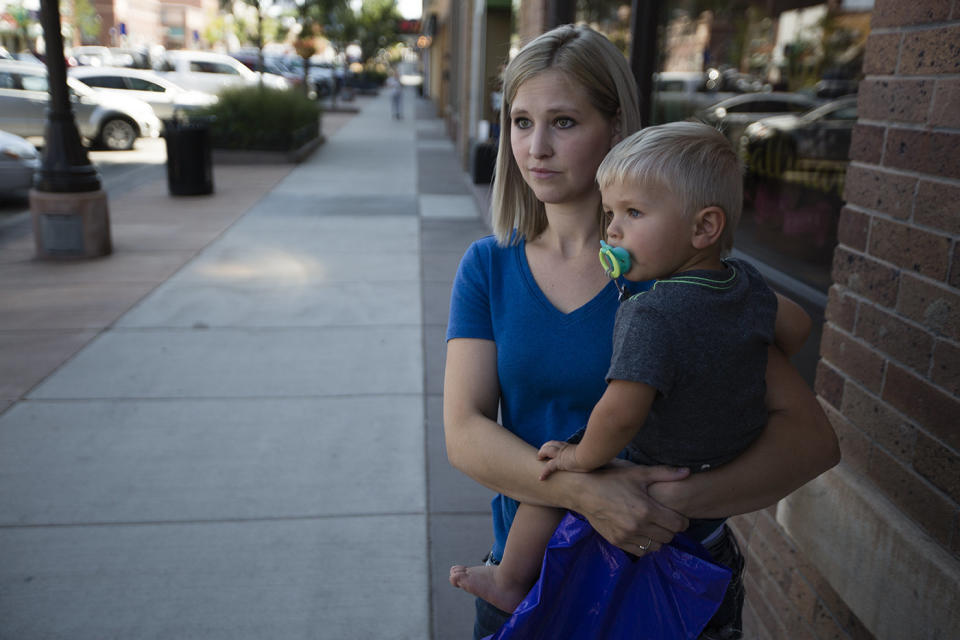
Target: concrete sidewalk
pixel 230 428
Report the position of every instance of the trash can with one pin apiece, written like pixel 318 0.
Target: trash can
pixel 189 156
pixel 484 161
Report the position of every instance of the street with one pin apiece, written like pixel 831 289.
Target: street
pixel 120 171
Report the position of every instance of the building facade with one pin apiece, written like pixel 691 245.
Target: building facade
pixel 869 243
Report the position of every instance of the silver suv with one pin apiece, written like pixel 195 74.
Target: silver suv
pixel 113 122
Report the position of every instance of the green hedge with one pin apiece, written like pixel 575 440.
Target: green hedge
pixel 262 119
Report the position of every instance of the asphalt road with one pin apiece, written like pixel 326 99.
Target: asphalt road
pixel 119 172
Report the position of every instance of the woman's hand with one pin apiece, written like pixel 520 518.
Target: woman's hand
pixel 615 501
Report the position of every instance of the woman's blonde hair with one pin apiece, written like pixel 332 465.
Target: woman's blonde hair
pixel 588 58
pixel 692 160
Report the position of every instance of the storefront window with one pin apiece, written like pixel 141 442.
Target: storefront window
pixel 779 79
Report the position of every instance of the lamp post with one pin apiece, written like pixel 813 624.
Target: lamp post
pixel 67 202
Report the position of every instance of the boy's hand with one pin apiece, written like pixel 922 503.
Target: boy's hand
pixel 560 456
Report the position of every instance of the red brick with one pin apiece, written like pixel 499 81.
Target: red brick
pixel 939 465
pixel 946 103
pixel 854 445
pixel 853 229
pixel 874 188
pixel 852 357
pixel 909 247
pixel 841 308
pixel 903 341
pixel 866 144
pixel 897 13
pixel 954 279
pixel 899 100
pixel 932 152
pixel 934 306
pixel 955 538
pixel 919 400
pixel 913 495
pixel 879 422
pixel 938 205
pixel 946 366
pixel 829 384
pixel 882 53
pixel 931 51
pixel 865 276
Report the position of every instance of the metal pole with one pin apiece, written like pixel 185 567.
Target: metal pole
pixel 644 20
pixel 64 167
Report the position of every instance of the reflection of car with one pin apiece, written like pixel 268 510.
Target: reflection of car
pixel 817 139
pixel 680 94
pixel 734 114
pixel 213 72
pixel 114 122
pixel 18 161
pixel 166 98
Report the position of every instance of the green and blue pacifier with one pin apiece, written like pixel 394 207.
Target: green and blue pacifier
pixel 615 260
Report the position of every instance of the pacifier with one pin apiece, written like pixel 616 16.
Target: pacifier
pixel 615 260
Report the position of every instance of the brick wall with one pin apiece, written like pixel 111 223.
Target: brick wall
pixel 889 375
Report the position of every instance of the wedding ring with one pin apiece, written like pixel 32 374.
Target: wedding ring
pixel 644 547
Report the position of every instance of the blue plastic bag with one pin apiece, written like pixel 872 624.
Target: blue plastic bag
pixel 589 589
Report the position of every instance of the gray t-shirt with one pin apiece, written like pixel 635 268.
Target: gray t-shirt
pixel 700 339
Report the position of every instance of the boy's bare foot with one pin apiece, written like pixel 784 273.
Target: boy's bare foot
pixel 481 581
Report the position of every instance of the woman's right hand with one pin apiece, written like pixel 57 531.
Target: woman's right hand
pixel 616 502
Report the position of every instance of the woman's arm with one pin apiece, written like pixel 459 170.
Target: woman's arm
pixel 797 445
pixel 614 499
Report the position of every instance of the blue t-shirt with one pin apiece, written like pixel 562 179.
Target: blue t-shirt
pixel 551 365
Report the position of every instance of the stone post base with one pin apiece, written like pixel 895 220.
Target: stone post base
pixel 70 225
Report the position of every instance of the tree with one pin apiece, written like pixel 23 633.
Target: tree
pixel 377 26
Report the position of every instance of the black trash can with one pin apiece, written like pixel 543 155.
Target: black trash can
pixel 189 156
pixel 484 161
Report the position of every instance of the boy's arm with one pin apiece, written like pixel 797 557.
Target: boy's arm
pixel 613 423
pixel 792 326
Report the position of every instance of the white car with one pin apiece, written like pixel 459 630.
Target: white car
pixel 18 162
pixel 213 72
pixel 114 123
pixel 167 99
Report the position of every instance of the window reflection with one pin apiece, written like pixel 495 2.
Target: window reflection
pixel 780 84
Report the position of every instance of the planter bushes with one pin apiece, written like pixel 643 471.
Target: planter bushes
pixel 262 119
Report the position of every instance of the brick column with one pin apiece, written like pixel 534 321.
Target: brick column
pixel 871 549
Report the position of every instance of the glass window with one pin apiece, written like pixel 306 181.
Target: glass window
pixel 104 82
pixel 7 80
pixel 794 70
pixel 33 83
pixel 204 66
pixel 140 84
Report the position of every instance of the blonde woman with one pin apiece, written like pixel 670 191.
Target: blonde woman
pixel 531 319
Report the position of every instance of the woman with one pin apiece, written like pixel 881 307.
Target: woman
pixel 532 314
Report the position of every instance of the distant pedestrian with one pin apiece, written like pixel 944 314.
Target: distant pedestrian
pixel 396 94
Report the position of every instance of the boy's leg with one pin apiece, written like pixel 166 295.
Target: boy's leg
pixel 505 585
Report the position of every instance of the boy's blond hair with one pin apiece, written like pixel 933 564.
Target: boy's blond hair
pixel 691 159
pixel 592 61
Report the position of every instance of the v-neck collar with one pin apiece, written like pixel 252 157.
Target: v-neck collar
pixel 605 295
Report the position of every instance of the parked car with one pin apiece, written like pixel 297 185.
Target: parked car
pixel 817 140
pixel 212 72
pixel 167 99
pixel 18 162
pixel 114 123
pixel 734 114
pixel 92 56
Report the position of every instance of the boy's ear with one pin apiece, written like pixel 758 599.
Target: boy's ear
pixel 708 224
